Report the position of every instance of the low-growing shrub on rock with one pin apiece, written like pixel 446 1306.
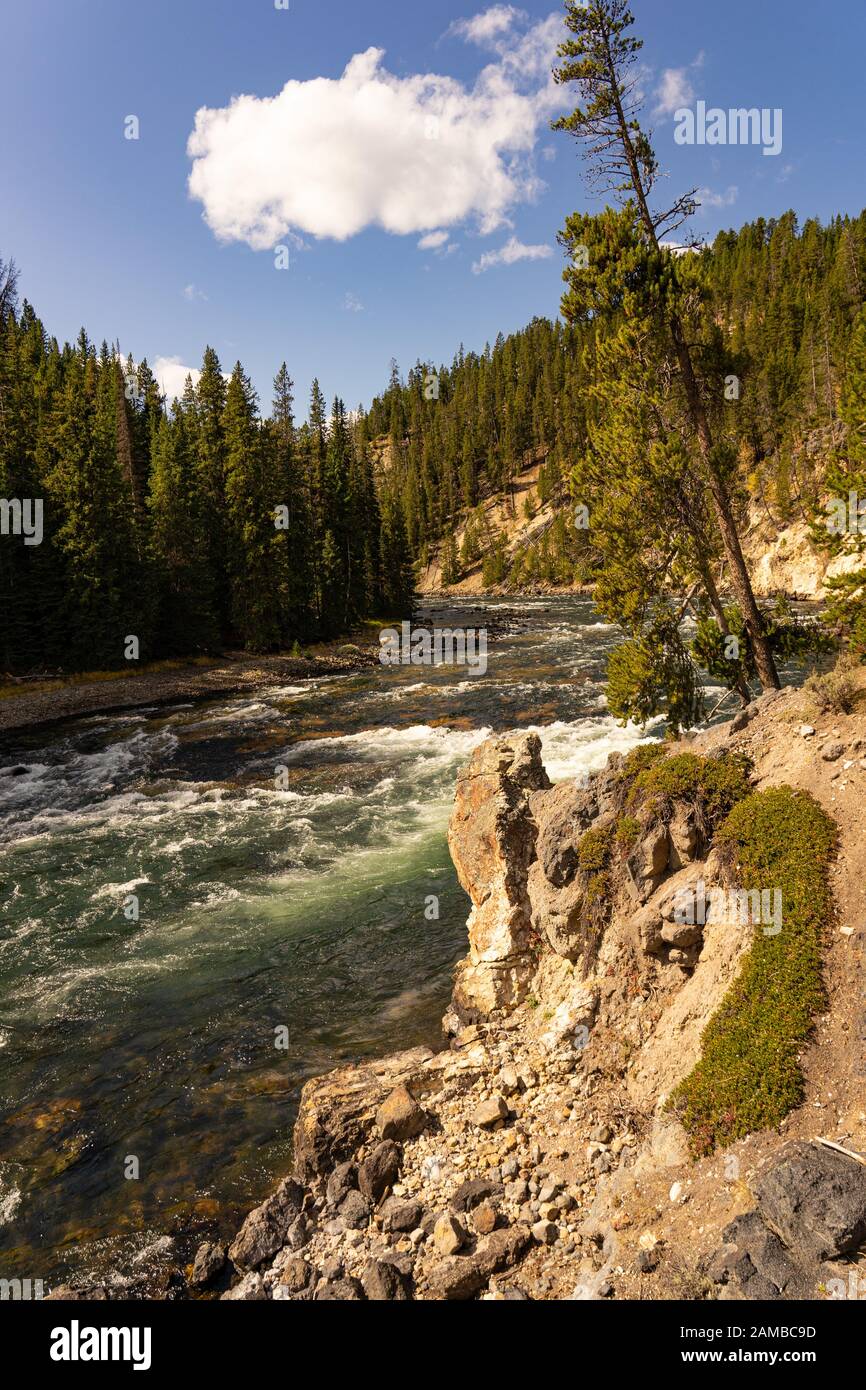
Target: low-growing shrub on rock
pixel 593 850
pixel 749 1076
pixel 710 786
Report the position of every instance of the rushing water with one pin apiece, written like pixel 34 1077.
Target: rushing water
pixel 296 900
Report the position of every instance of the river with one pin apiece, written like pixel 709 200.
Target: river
pixel 285 852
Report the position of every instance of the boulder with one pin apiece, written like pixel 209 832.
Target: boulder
pixel 340 1291
pixel 355 1211
pixel 490 1112
pixel 475 1190
pixel 557 913
pixel 400 1117
pixel 648 861
pixel 265 1230
pixel 681 935
pixel 562 815
pixel 448 1235
pixel 463 1276
pixel 338 1111
pixel 397 1214
pixel 251 1289
pixel 340 1183
pixel 295 1274
pixel 383 1282
pixel 685 840
pixel 757 1258
pixel 571 1020
pixel 485 1218
pixel 815 1199
pixel 210 1260
pixel 380 1171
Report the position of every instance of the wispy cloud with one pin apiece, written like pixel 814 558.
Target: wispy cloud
pixel 488 26
pixel 433 240
pixel 509 254
pixel 675 89
pixel 709 199
pixel 192 292
pixel 352 303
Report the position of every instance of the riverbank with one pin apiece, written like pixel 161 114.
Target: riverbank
pixel 23 707
pixel 536 1156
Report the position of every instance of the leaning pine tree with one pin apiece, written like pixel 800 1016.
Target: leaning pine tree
pixel 620 271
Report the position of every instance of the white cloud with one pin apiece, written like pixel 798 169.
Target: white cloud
pixel 510 253
pixel 192 292
pixel 171 374
pixel 352 303
pixel 491 24
pixel 412 154
pixel 674 91
pixel 433 240
pixel 707 198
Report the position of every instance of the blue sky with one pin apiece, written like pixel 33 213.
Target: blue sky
pixel 443 136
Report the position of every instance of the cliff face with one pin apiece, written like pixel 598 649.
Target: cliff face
pixel 782 557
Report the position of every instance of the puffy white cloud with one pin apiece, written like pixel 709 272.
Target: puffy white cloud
pixel 509 254
pixel 352 303
pixel 192 292
pixel 171 374
pixel 489 25
pixel 412 154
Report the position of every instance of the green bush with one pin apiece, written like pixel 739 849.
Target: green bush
pixel 749 1075
pixel 712 786
pixel 593 850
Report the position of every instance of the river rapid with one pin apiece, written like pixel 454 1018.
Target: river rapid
pixel 288 857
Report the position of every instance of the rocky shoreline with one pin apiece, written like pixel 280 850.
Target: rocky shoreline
pixel 535 1156
pixel 230 676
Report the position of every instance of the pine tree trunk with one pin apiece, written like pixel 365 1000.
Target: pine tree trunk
pixel 740 581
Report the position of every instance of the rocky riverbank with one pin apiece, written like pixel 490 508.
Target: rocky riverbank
pixel 49 702
pixel 540 1154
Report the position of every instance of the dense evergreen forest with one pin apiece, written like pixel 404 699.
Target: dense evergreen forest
pixel 206 526
pixel 784 298
pixel 192 530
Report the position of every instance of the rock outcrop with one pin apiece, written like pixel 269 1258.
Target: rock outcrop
pixel 492 842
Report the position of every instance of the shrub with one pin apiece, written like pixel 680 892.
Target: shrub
pixel 712 786
pixel 593 850
pixel 628 832
pixel 836 691
pixel 749 1075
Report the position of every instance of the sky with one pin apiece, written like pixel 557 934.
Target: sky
pixel 396 157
